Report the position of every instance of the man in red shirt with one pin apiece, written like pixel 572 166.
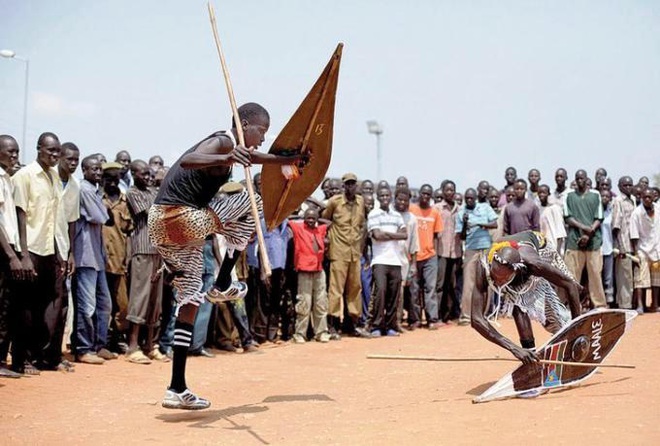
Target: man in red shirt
pixel 312 297
pixel 429 225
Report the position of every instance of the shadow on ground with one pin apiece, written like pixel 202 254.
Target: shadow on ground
pixel 481 388
pixel 205 418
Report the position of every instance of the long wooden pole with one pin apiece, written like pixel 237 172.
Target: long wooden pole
pixel 497 358
pixel 265 263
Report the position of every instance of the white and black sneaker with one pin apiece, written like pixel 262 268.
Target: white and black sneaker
pixel 237 290
pixel 185 400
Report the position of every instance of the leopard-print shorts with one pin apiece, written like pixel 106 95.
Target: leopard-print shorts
pixel 178 232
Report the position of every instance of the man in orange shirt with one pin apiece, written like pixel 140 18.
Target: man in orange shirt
pixel 429 225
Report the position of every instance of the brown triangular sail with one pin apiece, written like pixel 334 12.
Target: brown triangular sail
pixel 309 130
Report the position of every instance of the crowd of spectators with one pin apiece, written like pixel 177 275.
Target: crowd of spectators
pixel 80 274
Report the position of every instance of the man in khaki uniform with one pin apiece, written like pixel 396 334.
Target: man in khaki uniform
pixel 346 212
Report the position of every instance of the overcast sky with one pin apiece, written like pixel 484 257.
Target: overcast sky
pixel 462 89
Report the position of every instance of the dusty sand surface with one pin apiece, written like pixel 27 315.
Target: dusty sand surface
pixel 331 394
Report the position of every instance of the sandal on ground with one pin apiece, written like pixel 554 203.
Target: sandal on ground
pixel 137 357
pixel 30 370
pixel 156 355
pixel 65 367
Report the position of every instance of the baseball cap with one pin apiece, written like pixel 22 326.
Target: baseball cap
pixel 111 165
pixel 348 177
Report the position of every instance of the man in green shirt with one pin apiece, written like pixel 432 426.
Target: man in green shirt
pixel 583 214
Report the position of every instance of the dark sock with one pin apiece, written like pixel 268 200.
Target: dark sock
pixel 224 276
pixel 527 343
pixel 182 338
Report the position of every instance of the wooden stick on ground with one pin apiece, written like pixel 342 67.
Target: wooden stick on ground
pixel 265 263
pixel 496 358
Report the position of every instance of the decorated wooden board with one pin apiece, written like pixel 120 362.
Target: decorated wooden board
pixel 589 338
pixel 308 131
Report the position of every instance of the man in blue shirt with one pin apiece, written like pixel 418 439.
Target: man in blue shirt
pixel 473 223
pixel 269 291
pixel 90 286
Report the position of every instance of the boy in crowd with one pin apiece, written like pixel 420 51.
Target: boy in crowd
pixel 645 238
pixel 146 291
pixel 312 298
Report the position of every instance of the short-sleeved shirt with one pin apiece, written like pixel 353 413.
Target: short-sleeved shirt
pixel 521 216
pixel 276 244
pixel 347 231
pixel 69 211
pixel 114 237
pixel 8 218
pixel 448 244
pixel 622 209
pixel 309 245
pixel 559 198
pixel 552 224
pixel 585 208
pixel 38 193
pixel 88 248
pixel 139 202
pixel 429 223
pixel 409 246
pixel 385 252
pixel 647 231
pixel 477 238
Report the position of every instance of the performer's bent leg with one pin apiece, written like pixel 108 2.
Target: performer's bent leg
pixel 223 281
pixel 235 222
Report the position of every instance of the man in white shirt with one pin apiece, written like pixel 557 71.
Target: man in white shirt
pixel 552 220
pixel 645 238
pixel 623 206
pixel 407 249
pixel 561 191
pixel 387 229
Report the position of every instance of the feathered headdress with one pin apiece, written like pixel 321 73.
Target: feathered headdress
pixel 493 254
pixel 499 245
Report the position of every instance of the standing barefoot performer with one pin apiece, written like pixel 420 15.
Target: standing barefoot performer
pixel 186 211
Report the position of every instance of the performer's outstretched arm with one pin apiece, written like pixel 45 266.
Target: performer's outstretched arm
pixel 479 322
pixel 216 152
pixel 269 158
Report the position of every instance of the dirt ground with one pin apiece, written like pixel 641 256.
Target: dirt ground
pixel 332 394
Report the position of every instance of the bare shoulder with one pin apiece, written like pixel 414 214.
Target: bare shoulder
pixel 217 144
pixel 529 255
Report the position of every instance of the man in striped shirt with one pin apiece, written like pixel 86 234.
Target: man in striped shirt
pixel 146 290
pixel 387 230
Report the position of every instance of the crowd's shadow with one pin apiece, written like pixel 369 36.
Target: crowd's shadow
pixel 206 418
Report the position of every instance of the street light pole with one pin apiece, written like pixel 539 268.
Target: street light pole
pixel 375 129
pixel 9 54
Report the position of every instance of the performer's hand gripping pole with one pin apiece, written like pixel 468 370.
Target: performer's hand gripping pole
pixel 265 263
